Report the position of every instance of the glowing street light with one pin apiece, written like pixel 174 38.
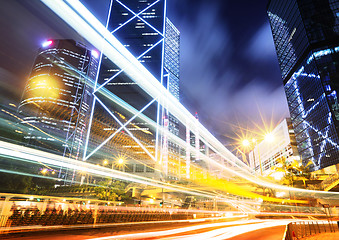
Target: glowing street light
pixel 246 143
pixel 269 137
pixel 120 161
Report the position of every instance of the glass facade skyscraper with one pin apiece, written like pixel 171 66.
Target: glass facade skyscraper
pixel 56 100
pixel 306 37
pixel 143 28
pixel 172 58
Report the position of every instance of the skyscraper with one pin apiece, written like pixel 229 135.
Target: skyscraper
pixel 56 100
pixel 306 37
pixel 266 154
pixel 143 28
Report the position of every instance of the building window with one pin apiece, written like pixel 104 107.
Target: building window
pixel 139 168
pixel 129 168
pixel 150 168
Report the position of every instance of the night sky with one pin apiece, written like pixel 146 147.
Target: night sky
pixel 229 69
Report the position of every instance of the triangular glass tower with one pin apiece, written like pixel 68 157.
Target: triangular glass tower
pixel 125 120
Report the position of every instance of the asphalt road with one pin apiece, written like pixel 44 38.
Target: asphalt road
pixel 273 233
pixel 243 229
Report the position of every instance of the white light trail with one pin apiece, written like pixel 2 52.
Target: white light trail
pixel 90 28
pixel 227 229
pixel 33 155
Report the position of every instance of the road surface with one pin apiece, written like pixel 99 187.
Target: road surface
pixel 242 229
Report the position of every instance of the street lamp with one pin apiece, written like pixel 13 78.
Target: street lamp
pixel 246 143
pixel 257 147
pixel 269 137
pixel 117 162
pixel 120 163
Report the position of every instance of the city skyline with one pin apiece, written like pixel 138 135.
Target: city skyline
pixel 124 118
pixel 220 101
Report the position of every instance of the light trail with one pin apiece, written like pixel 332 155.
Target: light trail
pixel 12 150
pixel 227 230
pixel 83 21
pixel 37 156
pixel 86 24
pixel 33 155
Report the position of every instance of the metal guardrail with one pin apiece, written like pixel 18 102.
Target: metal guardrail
pixel 20 212
pixel 301 229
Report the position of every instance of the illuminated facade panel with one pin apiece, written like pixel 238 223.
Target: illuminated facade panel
pixel 172 58
pixel 57 97
pixel 306 36
pixel 282 146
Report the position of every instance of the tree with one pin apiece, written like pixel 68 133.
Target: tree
pixel 111 190
pixel 292 171
pixel 14 183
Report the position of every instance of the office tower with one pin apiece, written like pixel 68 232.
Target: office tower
pixel 142 27
pixel 56 100
pixel 306 38
pixel 265 154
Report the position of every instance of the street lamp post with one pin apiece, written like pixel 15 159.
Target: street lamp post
pixel 244 158
pixel 246 143
pixel 254 141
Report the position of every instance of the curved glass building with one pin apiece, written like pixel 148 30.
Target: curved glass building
pixel 56 100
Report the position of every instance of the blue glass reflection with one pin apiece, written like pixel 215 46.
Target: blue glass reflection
pixel 311 114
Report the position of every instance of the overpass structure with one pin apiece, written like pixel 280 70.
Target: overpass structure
pixel 153 147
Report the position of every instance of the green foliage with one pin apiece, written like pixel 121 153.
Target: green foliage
pixel 293 171
pixel 111 190
pixel 41 186
pixel 14 183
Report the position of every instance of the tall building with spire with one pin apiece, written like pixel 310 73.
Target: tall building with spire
pixel 143 28
pixel 306 37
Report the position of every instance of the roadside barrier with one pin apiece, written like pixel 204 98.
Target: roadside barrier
pixel 301 229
